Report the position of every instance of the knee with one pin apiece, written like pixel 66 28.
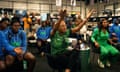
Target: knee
pixel 2 66
pixel 105 53
pixel 30 57
pixel 9 60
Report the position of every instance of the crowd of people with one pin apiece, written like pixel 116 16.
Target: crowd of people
pixel 14 38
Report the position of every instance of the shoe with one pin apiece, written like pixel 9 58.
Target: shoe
pixel 108 64
pixel 101 65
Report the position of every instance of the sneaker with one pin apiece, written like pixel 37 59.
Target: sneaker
pixel 108 64
pixel 101 65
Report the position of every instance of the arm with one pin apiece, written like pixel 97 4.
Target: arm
pixel 94 37
pixel 55 27
pixel 111 31
pixel 24 42
pixel 82 23
pixel 110 41
pixel 5 43
pixel 37 33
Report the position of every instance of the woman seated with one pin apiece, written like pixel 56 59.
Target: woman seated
pixel 59 40
pixel 100 38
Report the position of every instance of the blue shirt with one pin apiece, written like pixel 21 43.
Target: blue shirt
pixel 115 29
pixel 4 44
pixel 43 33
pixel 17 40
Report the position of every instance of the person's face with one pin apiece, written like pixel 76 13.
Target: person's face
pixel 5 24
pixel 62 28
pixel 43 23
pixel 16 26
pixel 105 23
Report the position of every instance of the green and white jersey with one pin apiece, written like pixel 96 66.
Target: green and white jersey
pixel 59 43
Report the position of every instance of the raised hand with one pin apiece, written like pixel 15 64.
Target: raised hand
pixel 62 13
pixel 90 13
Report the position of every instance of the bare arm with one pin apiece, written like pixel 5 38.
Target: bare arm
pixel 82 23
pixel 55 27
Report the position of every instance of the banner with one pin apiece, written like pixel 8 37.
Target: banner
pixel 73 2
pixel 58 2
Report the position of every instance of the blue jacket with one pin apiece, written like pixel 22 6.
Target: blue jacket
pixel 115 29
pixel 17 40
pixel 43 33
pixel 4 44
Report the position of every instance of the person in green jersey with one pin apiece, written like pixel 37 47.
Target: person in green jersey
pixel 59 40
pixel 100 38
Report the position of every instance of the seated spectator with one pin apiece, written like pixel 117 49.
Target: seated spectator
pixel 4 44
pixel 17 38
pixel 27 23
pixel 115 33
pixel 100 38
pixel 43 34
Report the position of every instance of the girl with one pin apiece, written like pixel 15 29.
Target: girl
pixel 100 38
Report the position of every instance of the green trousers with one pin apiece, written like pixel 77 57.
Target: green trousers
pixel 108 52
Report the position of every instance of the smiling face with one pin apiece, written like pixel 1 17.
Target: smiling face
pixel 62 28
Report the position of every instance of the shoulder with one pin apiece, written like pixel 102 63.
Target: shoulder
pixel 96 29
pixel 68 32
pixel 21 32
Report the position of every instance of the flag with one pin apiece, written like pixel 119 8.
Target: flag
pixel 73 2
pixel 58 2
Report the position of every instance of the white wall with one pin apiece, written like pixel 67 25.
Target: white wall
pixel 37 5
pixel 50 6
